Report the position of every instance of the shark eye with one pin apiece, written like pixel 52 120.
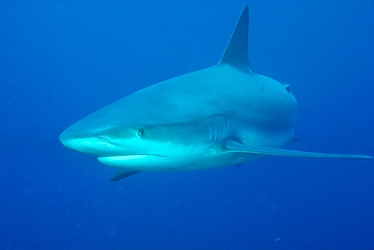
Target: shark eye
pixel 140 133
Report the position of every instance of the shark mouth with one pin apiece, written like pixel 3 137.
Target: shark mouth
pixel 130 160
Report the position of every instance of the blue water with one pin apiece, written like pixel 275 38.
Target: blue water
pixel 61 60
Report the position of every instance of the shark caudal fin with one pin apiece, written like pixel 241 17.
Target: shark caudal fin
pixel 236 52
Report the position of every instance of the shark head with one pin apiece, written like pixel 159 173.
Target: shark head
pixel 219 116
pixel 134 146
pixel 152 129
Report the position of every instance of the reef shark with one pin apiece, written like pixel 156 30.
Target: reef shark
pixel 219 116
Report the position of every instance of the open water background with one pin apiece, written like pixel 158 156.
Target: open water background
pixel 61 60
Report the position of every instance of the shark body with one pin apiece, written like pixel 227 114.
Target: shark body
pixel 219 116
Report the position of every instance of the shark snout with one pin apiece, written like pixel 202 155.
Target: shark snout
pixel 93 146
pixel 99 145
pixel 69 141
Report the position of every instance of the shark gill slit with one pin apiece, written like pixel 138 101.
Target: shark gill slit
pixel 218 128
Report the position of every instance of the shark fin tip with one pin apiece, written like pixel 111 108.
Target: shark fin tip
pixel 236 50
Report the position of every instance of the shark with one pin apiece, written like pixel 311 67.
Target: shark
pixel 215 117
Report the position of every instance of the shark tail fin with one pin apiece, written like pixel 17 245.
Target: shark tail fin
pixel 236 52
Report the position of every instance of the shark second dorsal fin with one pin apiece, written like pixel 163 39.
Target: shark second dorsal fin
pixel 236 51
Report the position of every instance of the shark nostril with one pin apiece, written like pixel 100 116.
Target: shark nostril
pixel 103 137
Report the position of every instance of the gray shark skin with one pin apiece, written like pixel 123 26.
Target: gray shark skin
pixel 219 116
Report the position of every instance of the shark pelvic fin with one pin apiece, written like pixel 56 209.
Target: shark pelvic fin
pixel 122 174
pixel 236 50
pixel 238 147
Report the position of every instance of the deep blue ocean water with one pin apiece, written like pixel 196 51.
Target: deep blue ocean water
pixel 61 60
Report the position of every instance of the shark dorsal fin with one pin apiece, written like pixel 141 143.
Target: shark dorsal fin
pixel 236 51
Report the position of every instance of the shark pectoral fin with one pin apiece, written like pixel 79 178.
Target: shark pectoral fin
pixel 122 174
pixel 238 147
